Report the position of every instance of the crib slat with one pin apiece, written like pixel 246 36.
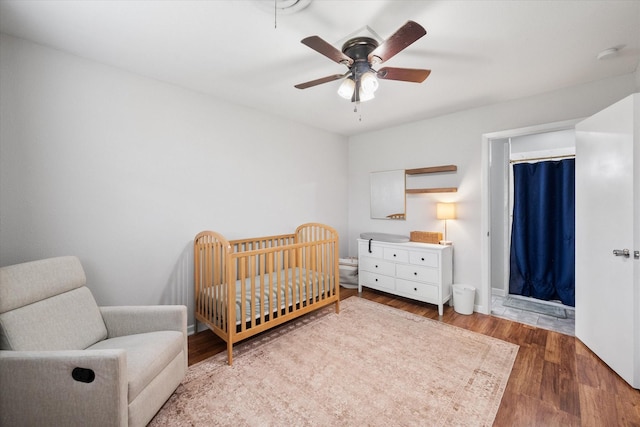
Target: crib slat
pixel 248 270
pixel 289 295
pixel 269 286
pixel 260 286
pixel 300 283
pixel 276 300
pixel 307 272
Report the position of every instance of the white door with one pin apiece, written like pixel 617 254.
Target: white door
pixel 607 287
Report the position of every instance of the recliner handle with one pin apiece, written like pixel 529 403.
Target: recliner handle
pixel 83 375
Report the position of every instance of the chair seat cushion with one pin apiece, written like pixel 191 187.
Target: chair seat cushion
pixel 147 355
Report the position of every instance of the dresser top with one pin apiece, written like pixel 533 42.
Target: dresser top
pixel 409 245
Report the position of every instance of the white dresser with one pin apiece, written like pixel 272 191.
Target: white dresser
pixel 419 271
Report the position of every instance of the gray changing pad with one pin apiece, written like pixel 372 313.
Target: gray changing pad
pixel 385 237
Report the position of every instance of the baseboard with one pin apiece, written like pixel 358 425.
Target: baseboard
pixel 498 292
pixel 481 309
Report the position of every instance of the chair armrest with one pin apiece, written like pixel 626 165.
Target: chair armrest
pixel 38 388
pixel 129 320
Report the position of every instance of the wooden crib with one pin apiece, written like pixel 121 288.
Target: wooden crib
pixel 244 287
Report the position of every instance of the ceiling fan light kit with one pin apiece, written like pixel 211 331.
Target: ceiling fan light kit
pixel 360 54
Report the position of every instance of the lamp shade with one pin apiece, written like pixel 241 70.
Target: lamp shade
pixel 346 88
pixel 366 96
pixel 368 82
pixel 446 211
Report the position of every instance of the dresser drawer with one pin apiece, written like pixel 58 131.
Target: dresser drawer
pixel 427 259
pixel 417 290
pixel 376 250
pixel 417 273
pixel 377 266
pixel 396 255
pixel 377 281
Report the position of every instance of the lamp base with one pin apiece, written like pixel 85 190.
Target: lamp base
pixel 446 242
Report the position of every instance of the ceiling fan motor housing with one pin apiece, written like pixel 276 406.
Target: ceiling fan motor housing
pixel 358 49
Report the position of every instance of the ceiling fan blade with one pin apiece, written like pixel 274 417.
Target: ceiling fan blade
pixel 321 46
pixel 403 37
pixel 403 74
pixel 319 81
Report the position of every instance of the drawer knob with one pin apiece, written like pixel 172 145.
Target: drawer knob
pixel 376 280
pixel 415 289
pixel 394 255
pixel 422 259
pixel 376 266
pixel 415 273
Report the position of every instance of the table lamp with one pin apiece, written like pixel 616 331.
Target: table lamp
pixel 445 211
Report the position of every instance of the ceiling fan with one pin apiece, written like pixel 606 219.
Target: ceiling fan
pixel 360 55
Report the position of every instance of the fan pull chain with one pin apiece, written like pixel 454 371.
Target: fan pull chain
pixel 355 110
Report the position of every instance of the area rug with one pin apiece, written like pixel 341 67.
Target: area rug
pixel 536 307
pixel 370 365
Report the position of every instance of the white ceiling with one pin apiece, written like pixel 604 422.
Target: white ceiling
pixel 480 52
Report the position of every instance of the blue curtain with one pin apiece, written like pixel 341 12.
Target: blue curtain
pixel 543 232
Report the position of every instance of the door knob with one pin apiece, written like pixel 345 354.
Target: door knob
pixel 621 252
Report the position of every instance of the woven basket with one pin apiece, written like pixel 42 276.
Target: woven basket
pixel 425 237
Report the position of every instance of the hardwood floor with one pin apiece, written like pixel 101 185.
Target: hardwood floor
pixel 556 380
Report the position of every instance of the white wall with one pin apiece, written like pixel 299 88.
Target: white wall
pixel 123 171
pixel 457 139
pixel 557 143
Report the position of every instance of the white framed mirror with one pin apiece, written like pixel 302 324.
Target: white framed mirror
pixel 388 194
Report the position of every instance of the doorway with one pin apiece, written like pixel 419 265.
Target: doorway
pixel 499 150
pixel 542 223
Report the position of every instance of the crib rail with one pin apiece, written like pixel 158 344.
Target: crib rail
pixel 246 286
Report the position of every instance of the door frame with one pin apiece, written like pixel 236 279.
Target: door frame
pixel 485 196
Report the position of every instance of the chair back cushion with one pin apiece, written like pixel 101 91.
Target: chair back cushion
pixel 44 305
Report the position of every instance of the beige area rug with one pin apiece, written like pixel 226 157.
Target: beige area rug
pixel 370 365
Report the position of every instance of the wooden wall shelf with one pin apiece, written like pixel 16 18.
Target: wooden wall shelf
pixel 432 169
pixel 431 190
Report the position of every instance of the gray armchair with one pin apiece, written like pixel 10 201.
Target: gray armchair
pixel 66 361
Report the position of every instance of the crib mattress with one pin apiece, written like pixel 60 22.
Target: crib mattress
pixel 293 283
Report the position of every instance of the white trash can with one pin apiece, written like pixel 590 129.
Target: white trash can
pixel 348 272
pixel 463 298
